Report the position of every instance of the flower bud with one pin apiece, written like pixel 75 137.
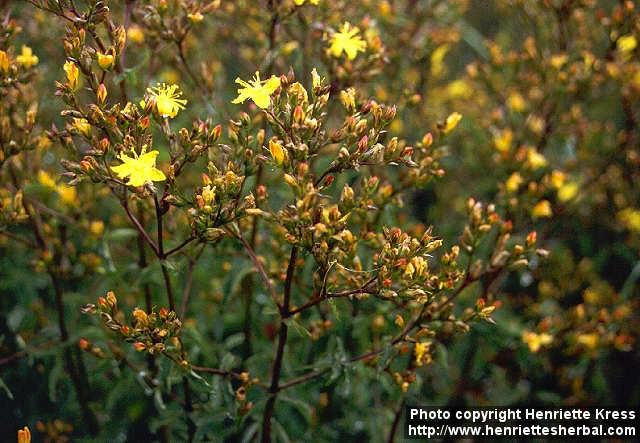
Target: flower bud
pixel 105 61
pixel 101 93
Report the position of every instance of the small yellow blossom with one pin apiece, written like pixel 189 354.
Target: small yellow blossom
pixel 73 74
pixel 96 227
pixel 27 58
pixel 302 2
pixel 316 80
pixel 139 169
pixel 409 270
pixel 535 160
pixel 451 122
pixel 24 435
pixel 516 102
pixel 437 60
pixel 536 341
pixel 135 34
pixel 557 178
pixel 105 61
pixel 277 152
pixel 558 60
pixel 4 62
pixel 421 352
pixel 542 209
pixel 589 340
pixel 257 90
pixel 67 194
pixel 627 43
pixel 195 17
pixel 513 182
pixel 459 89
pixel 208 194
pixel 46 180
pixel 348 98
pixel 502 140
pixel 141 317
pixel 630 218
pixel 348 41
pixel 43 142
pixel 82 126
pixel 420 265
pixel 168 101
pixel 568 191
pixel 384 8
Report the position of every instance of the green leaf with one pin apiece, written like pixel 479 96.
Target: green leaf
pixel 121 234
pixel 5 388
pixel 297 326
pixel 305 409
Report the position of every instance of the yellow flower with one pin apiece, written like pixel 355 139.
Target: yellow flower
pixel 105 61
pixel 557 178
pixel 451 122
pixel 459 89
pixel 542 209
pixel 437 60
pixel 588 340
pixel 347 40
pixel 535 160
pixel 516 102
pixel 168 101
pixel 139 169
pixel 420 265
pixel 277 152
pixel 135 34
pixel 558 60
pixel 422 355
pixel 257 90
pixel 513 182
pixel 82 126
pixel 24 435
pixel 316 80
pixel 503 140
pixel 67 194
pixel 536 341
pixel 46 180
pixel 627 43
pixel 208 194
pixel 4 62
pixel 348 98
pixel 195 17
pixel 630 218
pixel 301 2
pixel 568 191
pixel 26 57
pixel 96 227
pixel 141 317
pixel 73 74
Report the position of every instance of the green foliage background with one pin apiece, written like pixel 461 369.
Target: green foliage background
pixel 582 116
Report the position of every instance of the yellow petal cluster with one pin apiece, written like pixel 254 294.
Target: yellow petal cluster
pixel 27 57
pixel 259 91
pixel 536 341
pixel 139 169
pixel 451 122
pixel 347 40
pixel 73 74
pixel 168 101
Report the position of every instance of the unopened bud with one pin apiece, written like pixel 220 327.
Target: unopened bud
pixel 101 93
